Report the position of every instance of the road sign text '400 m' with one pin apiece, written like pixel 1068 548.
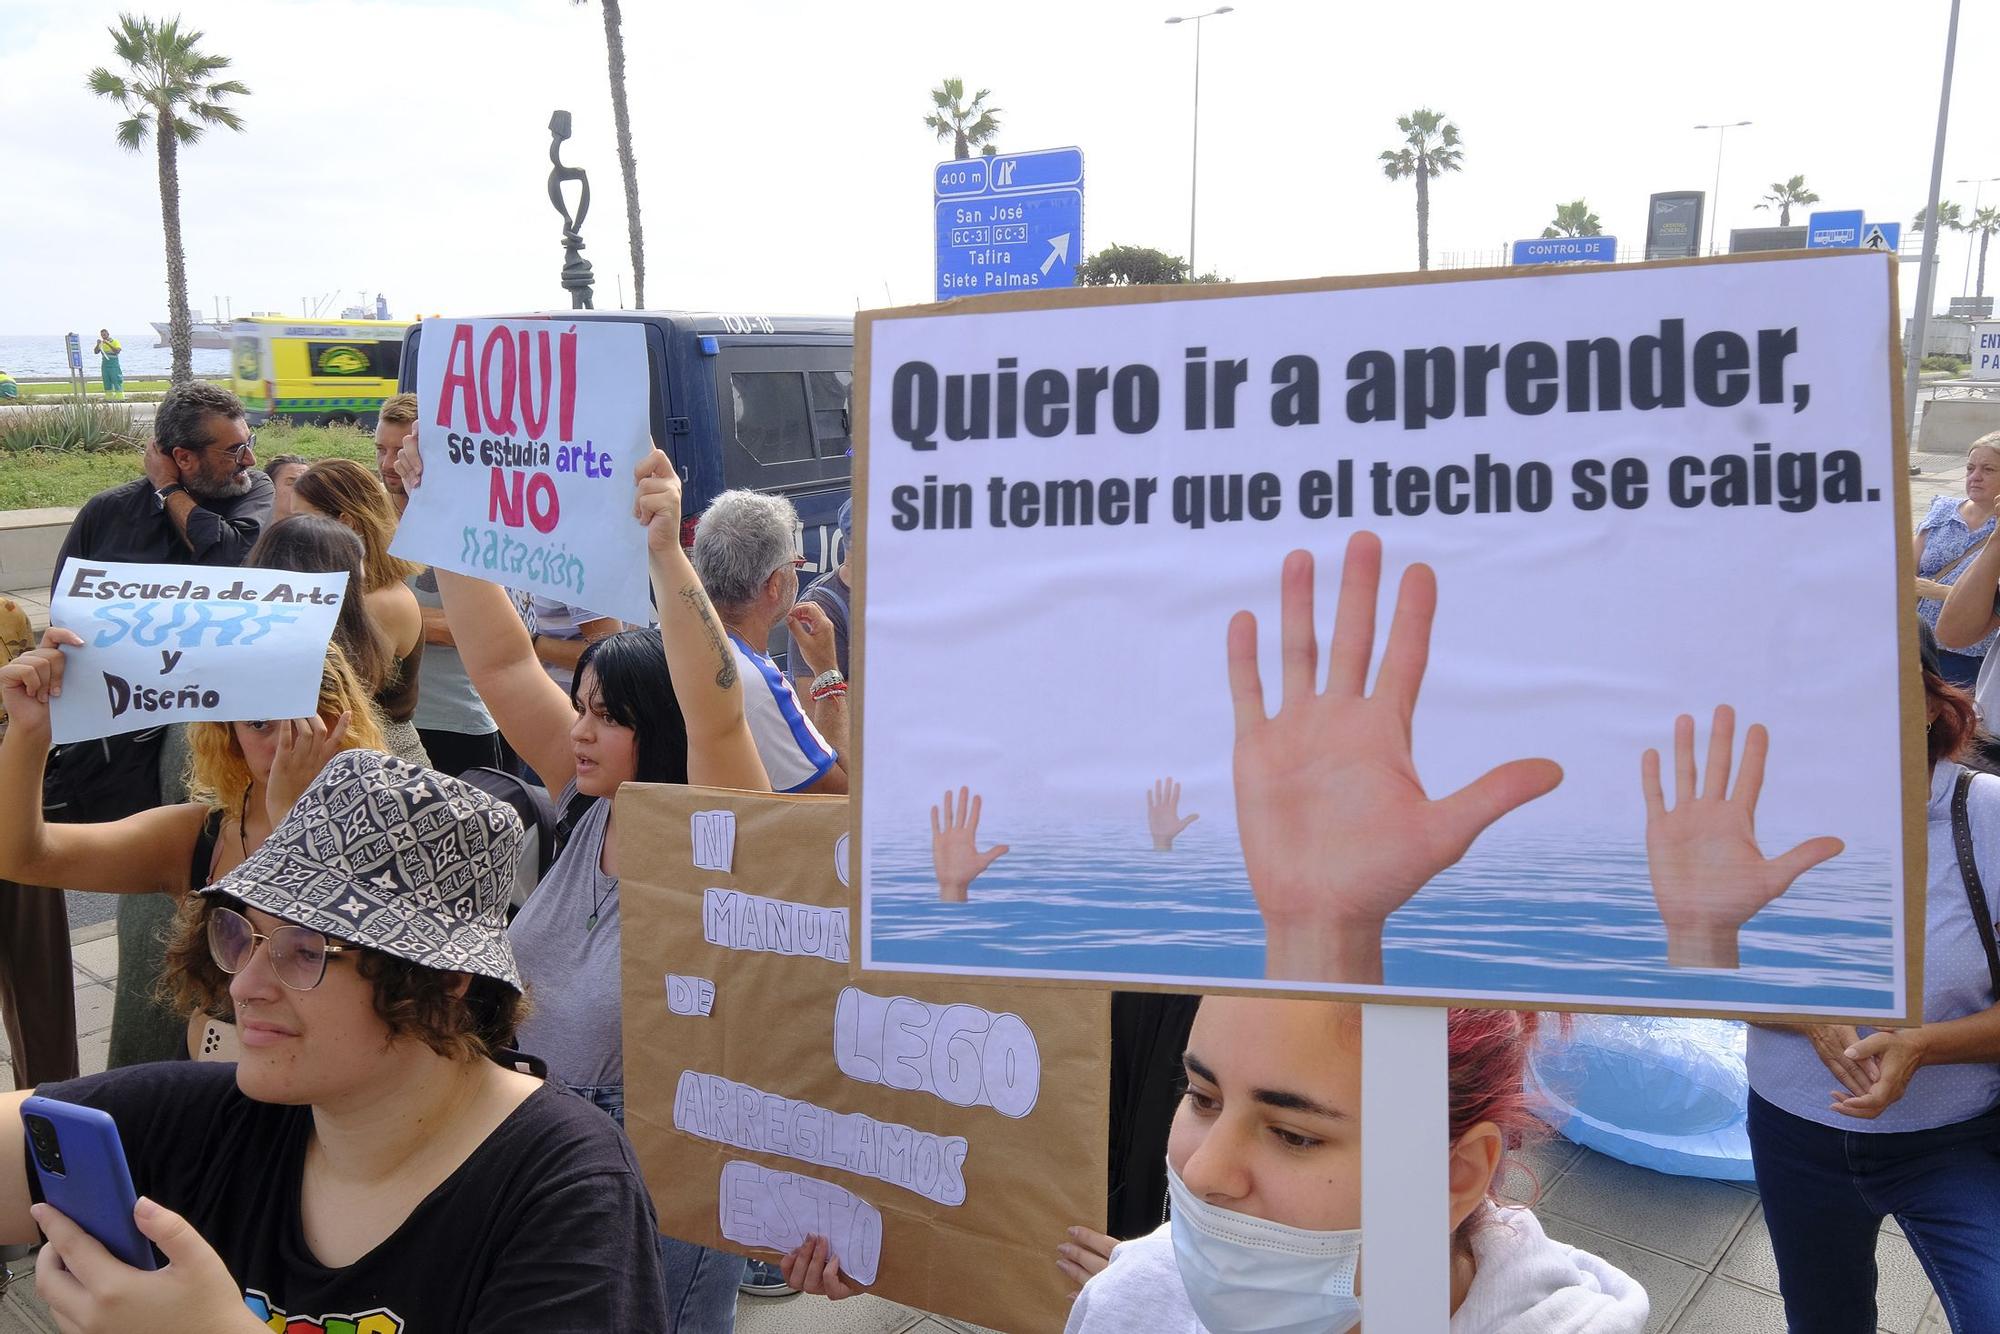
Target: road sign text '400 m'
pixel 1009 223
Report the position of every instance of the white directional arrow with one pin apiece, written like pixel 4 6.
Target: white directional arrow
pixel 1058 250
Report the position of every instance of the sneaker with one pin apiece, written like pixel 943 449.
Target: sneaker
pixel 762 1279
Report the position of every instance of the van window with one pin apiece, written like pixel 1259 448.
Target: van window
pixel 247 358
pixel 357 360
pixel 770 415
pixel 832 391
pixel 784 415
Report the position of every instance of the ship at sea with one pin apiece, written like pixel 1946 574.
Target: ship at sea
pixel 207 333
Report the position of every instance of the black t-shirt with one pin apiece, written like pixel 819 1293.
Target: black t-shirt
pixel 128 523
pixel 545 1228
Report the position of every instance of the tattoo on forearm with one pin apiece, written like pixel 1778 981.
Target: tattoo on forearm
pixel 697 598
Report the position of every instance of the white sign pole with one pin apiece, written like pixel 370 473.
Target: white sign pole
pixel 1405 1127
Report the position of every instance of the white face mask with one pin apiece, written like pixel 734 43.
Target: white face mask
pixel 1247 1275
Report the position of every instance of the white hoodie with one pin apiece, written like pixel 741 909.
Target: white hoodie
pixel 1523 1283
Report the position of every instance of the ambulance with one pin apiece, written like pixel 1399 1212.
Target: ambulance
pixel 315 371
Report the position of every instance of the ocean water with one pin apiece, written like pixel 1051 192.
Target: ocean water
pixel 39 356
pixel 1519 915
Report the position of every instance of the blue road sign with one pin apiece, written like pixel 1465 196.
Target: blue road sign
pixel 1009 223
pixel 1882 236
pixel 1840 230
pixel 74 346
pixel 1567 250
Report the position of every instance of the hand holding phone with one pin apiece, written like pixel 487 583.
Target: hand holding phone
pixel 81 1165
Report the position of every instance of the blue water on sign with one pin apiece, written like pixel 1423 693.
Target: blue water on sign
pixel 1520 914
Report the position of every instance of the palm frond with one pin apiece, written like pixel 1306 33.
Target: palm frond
pixel 213 114
pixel 106 84
pixel 132 132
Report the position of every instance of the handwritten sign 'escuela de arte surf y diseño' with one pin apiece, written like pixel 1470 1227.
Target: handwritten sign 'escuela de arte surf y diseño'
pixel 530 430
pixel 188 643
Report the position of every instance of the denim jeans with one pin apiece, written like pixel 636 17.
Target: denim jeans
pixel 700 1283
pixel 1826 1192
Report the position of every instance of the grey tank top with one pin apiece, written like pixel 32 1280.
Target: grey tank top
pixel 570 966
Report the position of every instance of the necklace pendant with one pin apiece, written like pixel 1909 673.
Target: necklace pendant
pixel 591 925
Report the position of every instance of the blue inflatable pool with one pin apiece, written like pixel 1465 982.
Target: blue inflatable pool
pixel 1668 1094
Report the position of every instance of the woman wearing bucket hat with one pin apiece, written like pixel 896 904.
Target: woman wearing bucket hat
pixel 366 1159
pixel 1847 1129
pixel 657 706
pixel 240 779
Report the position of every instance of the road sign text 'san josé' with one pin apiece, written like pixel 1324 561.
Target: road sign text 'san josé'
pixel 1009 223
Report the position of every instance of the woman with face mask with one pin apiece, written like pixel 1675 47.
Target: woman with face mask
pixel 1264 1179
pixel 1264 1188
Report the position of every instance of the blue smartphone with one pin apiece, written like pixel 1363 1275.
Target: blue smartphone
pixel 81 1164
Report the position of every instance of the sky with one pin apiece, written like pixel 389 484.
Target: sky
pixel 784 167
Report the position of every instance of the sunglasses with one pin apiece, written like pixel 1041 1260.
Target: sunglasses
pixel 298 954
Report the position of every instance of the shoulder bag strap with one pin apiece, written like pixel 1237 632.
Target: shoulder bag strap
pixel 1964 557
pixel 1968 870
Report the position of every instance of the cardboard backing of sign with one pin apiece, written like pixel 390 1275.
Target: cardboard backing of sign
pixel 770 1024
pixel 1907 758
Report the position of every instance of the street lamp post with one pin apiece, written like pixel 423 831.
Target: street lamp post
pixel 1194 157
pixel 1978 184
pixel 1925 278
pixel 1721 133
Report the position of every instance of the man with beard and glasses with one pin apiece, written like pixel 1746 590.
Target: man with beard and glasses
pixel 201 502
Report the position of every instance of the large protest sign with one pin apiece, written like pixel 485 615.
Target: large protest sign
pixel 1632 531
pixel 186 643
pixel 941 1135
pixel 530 430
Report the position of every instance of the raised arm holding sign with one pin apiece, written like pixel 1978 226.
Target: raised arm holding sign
pixel 249 774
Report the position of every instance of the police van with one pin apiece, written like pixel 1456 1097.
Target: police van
pixel 759 402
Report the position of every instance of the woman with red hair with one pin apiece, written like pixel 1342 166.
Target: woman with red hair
pixel 1264 1180
pixel 1264 1175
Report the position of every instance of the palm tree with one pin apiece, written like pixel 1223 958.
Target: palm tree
pixel 1948 213
pixel 1787 194
pixel 614 46
pixel 1984 223
pixel 1430 148
pixel 964 125
pixel 169 91
pixel 1574 219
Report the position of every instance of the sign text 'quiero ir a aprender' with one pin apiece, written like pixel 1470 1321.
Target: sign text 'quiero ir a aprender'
pixel 1490 625
pixel 530 431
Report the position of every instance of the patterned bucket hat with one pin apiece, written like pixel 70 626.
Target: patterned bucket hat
pixel 396 858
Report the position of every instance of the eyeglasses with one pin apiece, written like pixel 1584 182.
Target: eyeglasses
pixel 298 953
pixel 239 452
